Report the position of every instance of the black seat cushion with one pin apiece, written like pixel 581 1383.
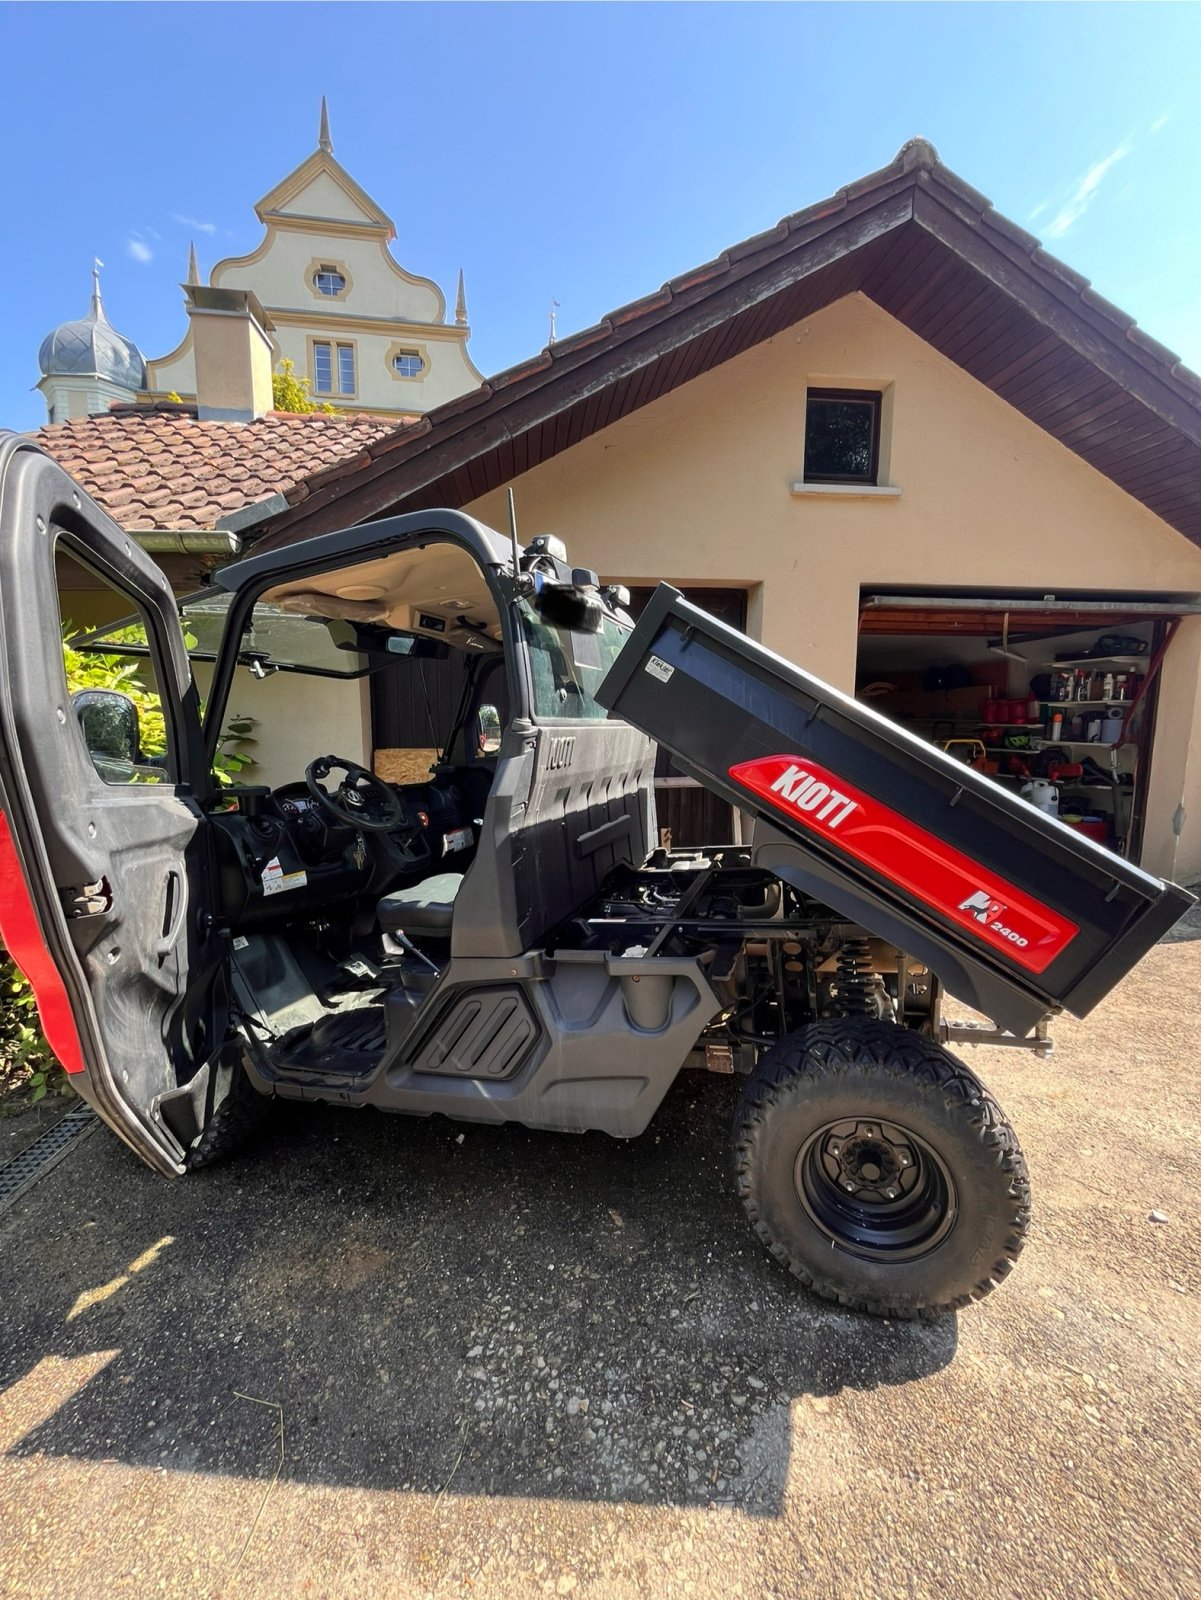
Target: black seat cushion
pixel 427 907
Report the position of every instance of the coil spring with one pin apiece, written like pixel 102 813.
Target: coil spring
pixel 857 982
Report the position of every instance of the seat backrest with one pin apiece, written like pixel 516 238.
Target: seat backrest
pixel 568 805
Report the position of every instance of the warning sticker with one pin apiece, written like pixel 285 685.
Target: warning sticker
pixel 659 669
pixel 277 881
pixel 457 839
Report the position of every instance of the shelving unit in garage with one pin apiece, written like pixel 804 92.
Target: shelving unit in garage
pixel 936 663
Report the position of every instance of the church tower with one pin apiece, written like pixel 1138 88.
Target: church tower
pixel 86 365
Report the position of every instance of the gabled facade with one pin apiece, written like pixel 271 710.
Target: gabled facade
pixel 369 335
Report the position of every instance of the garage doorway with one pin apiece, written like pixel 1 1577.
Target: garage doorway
pixel 1051 697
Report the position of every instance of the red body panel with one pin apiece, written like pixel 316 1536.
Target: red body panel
pixel 22 938
pixel 1001 915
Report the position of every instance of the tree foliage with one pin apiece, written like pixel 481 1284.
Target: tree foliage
pixel 290 392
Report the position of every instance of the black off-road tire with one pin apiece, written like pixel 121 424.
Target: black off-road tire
pixel 232 1125
pixel 870 1075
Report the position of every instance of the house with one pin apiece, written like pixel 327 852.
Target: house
pixel 370 335
pixel 898 442
pixel 895 440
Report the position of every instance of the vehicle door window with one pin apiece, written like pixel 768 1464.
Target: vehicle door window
pixel 567 667
pixel 115 704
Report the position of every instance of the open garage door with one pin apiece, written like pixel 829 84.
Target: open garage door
pixel 1052 696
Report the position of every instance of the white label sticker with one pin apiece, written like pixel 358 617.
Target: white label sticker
pixel 277 881
pixel 241 942
pixel 659 669
pixel 456 839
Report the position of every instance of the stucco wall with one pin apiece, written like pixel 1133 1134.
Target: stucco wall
pixel 298 719
pixel 697 487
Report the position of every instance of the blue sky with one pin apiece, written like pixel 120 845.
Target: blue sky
pixel 583 152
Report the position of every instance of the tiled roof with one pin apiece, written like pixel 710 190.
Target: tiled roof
pixel 913 237
pixel 160 467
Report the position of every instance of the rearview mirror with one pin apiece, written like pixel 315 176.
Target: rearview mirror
pixel 371 639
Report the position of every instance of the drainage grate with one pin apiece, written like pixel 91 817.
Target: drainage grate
pixel 24 1170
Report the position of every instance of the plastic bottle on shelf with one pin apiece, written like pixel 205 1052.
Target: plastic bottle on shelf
pixel 1106 687
pixel 1055 727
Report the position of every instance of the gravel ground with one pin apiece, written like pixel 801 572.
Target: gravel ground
pixel 513 1364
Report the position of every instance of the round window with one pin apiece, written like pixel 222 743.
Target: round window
pixel 408 364
pixel 329 281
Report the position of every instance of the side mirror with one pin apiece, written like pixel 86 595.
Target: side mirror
pixel 488 731
pixel 109 721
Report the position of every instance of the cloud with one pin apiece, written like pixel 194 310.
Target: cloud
pixel 1160 122
pixel 1082 194
pixel 194 222
pixel 139 249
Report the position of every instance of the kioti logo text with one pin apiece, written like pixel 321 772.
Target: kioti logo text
pixel 808 793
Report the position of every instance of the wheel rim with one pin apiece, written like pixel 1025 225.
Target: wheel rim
pixel 875 1189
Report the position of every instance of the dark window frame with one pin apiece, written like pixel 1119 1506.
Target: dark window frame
pixel 874 400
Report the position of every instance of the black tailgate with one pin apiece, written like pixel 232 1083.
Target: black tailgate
pixel 1016 912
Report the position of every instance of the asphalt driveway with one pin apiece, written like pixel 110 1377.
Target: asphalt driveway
pixel 382 1357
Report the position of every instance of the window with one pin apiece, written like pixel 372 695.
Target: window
pixel 407 364
pixel 329 281
pixel 842 436
pixel 325 355
pixel 118 712
pixel 566 667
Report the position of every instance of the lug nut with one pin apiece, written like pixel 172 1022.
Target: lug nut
pixel 849 1186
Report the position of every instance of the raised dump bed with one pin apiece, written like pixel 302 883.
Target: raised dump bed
pixel 1018 914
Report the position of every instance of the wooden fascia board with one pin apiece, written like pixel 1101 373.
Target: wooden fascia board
pixel 1060 314
pixel 580 375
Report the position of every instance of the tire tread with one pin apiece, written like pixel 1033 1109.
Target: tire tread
pixel 811 1054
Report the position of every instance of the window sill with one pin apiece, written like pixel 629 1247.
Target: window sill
pixel 845 491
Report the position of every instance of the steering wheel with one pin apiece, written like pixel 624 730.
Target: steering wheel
pixel 361 800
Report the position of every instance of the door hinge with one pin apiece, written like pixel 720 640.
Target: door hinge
pixel 88 901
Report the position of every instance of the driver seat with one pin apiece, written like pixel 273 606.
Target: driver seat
pixel 424 910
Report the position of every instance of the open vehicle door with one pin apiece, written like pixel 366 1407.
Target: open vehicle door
pixel 106 878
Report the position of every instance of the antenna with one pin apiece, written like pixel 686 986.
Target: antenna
pixel 554 306
pixel 513 536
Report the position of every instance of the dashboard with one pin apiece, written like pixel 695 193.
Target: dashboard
pixel 280 853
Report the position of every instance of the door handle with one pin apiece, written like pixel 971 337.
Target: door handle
pixel 174 902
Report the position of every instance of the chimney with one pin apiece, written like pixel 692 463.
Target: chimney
pixel 232 348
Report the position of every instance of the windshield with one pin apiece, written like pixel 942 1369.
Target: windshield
pixel 274 638
pixel 567 667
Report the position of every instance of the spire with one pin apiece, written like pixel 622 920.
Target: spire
pixel 461 303
pixel 96 313
pixel 324 142
pixel 193 269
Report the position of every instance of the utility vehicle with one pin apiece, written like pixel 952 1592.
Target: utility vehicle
pixel 505 939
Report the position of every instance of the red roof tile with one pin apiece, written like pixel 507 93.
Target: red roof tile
pixel 162 468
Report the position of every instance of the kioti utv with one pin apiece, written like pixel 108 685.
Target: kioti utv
pixel 505 940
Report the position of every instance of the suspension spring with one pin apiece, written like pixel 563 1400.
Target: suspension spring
pixel 857 980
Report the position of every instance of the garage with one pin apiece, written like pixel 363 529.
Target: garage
pixel 1054 697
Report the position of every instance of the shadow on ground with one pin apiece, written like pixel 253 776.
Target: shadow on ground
pixel 524 1313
